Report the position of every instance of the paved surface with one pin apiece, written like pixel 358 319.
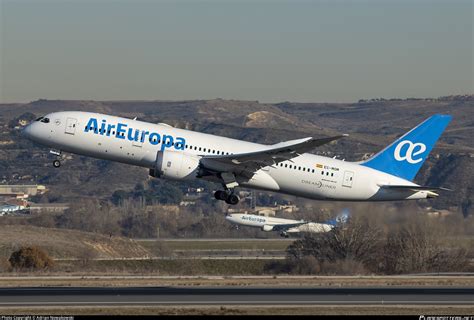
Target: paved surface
pixel 61 296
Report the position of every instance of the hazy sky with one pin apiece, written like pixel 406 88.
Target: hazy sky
pixel 254 50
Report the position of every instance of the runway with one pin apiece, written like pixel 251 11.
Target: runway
pixel 94 296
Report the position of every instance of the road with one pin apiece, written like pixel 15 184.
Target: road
pixel 93 296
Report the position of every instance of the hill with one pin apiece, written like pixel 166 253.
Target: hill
pixel 67 244
pixel 372 124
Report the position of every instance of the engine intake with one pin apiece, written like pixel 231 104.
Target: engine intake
pixel 267 228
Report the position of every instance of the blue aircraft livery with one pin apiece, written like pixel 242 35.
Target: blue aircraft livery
pixel 121 131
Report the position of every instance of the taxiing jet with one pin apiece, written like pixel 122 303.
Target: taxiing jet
pixel 285 167
pixel 286 226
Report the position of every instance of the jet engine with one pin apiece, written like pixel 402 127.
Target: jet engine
pixel 267 228
pixel 174 165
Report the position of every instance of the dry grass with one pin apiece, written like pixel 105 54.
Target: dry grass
pixel 65 243
pixel 277 244
pixel 289 281
pixel 243 310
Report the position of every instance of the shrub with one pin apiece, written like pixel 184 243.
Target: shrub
pixel 30 258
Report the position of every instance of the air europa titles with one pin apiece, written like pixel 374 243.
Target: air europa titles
pixel 122 131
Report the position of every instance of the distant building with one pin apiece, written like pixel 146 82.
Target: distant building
pixel 439 213
pixel 49 207
pixel 290 208
pixel 21 190
pixel 266 211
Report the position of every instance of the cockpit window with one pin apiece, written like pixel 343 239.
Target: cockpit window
pixel 39 118
pixel 45 120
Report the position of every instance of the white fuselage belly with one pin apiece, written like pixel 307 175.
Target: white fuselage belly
pixel 331 179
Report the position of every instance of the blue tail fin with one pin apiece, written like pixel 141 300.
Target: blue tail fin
pixel 341 219
pixel 404 157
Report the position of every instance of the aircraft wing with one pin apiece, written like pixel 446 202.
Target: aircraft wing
pixel 414 188
pixel 247 164
pixel 284 227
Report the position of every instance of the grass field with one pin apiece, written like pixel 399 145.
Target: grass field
pixel 106 280
pixel 277 244
pixel 243 310
pixel 165 267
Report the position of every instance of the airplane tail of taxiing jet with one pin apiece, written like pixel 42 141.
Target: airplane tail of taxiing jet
pixel 404 157
pixel 341 219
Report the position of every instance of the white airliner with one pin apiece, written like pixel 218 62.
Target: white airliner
pixel 285 226
pixel 284 167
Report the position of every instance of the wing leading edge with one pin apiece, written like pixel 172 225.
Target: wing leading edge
pixel 250 162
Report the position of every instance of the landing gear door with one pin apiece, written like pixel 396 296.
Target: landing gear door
pixel 348 177
pixel 71 126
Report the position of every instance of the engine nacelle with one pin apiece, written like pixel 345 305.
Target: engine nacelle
pixel 175 165
pixel 267 228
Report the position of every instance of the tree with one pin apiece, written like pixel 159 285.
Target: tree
pixel 27 116
pixel 359 242
pixel 417 247
pixel 119 196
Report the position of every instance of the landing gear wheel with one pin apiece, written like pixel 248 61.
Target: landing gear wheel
pixel 232 199
pixel 56 163
pixel 220 195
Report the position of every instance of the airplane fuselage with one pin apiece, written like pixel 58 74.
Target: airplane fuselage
pixel 137 143
pixel 277 224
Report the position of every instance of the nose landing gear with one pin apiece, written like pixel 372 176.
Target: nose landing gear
pixel 57 162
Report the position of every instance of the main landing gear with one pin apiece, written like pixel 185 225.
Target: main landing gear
pixel 227 196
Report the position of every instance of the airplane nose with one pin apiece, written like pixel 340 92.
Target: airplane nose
pixel 26 131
